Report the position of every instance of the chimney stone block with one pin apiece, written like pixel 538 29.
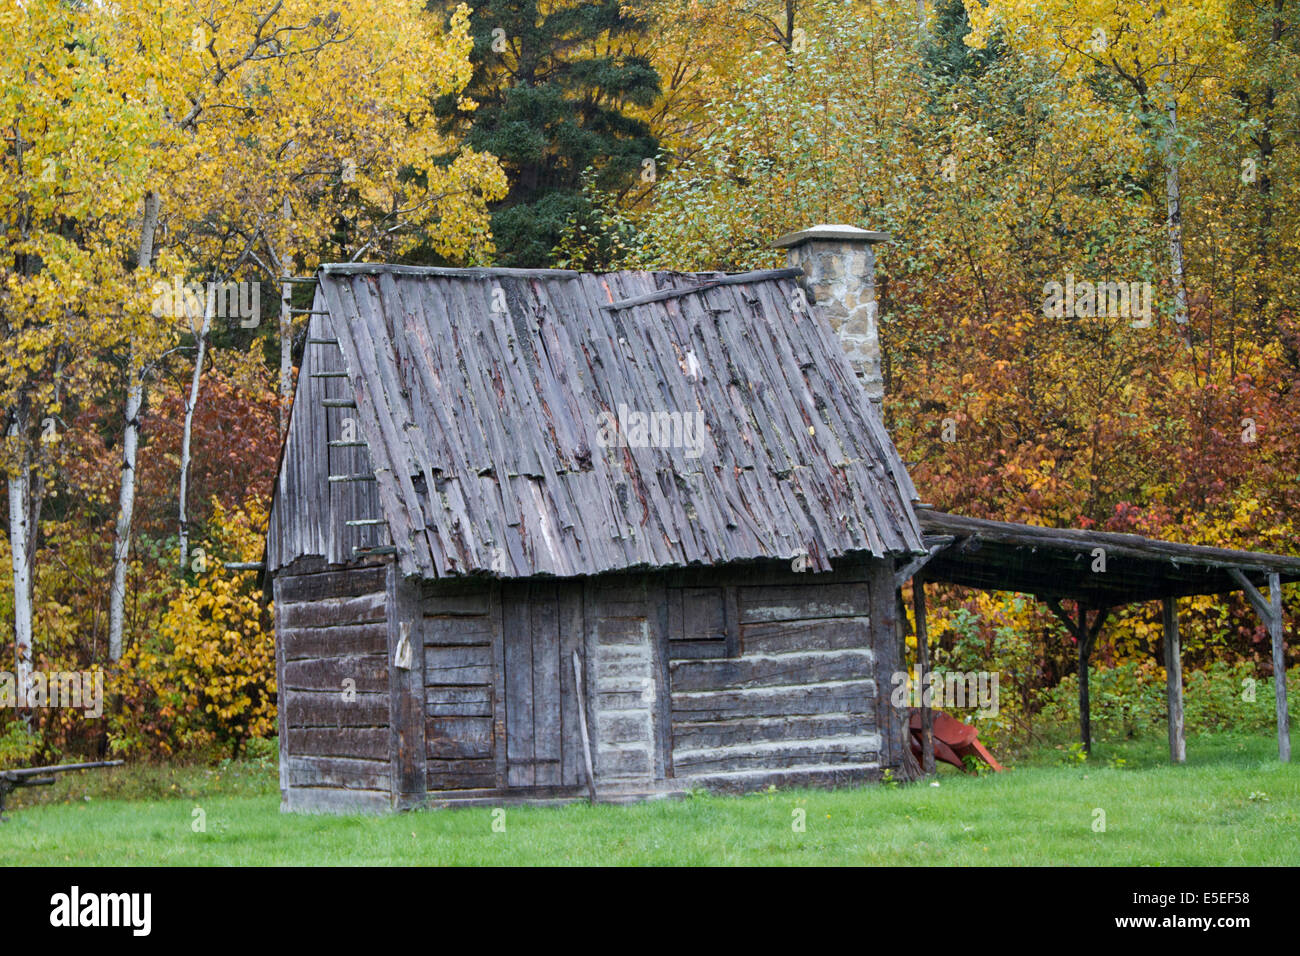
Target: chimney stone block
pixel 839 269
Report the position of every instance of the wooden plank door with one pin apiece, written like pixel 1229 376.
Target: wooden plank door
pixel 540 632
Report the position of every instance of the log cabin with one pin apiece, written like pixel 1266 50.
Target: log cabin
pixel 541 534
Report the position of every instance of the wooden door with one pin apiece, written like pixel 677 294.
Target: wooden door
pixel 542 626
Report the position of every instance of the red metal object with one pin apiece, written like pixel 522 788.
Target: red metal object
pixel 952 740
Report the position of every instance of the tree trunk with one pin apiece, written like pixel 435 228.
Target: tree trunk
pixel 201 342
pixel 1174 220
pixel 125 512
pixel 20 554
pixel 286 331
pixel 130 446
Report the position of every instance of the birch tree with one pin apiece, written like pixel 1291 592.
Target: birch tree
pixel 1172 57
pixel 71 176
pixel 273 106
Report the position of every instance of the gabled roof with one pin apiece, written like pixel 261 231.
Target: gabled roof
pixel 501 412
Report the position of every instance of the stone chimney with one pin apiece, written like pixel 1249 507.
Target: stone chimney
pixel 839 267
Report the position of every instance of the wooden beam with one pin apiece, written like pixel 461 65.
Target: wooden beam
pixel 1174 682
pixel 1257 600
pixel 1129 545
pixel 906 572
pixel 1055 607
pixel 923 668
pixel 1279 668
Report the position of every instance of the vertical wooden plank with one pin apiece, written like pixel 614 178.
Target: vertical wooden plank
pixel 405 690
pixel 885 646
pixel 1279 668
pixel 544 601
pixel 923 668
pixel 572 773
pixel 499 702
pixel 1174 682
pixel 658 611
pixel 281 707
pixel 731 603
pixel 518 655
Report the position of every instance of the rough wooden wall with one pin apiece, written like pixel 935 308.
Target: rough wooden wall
pixel 728 679
pixel 312 516
pixel 791 700
pixel 331 628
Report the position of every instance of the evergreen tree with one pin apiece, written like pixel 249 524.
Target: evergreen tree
pixel 555 88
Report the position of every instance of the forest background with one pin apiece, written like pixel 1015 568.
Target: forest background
pixel 1005 145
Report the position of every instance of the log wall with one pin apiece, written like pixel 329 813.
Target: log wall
pixel 333 679
pixel 792 699
pixel 724 679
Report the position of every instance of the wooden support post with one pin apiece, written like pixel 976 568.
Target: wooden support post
pixel 891 723
pixel 1174 682
pixel 1085 635
pixel 1279 668
pixel 922 669
pixel 1270 612
pixel 1085 700
pixel 408 759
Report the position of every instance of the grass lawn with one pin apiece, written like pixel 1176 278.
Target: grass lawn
pixel 1232 804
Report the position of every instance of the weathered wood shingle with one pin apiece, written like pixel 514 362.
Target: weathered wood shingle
pixel 480 394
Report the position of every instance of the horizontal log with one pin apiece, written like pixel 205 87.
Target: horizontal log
pixel 1114 543
pixel 473 604
pixel 298 588
pixel 443 701
pixel 369 673
pixel 325 612
pixel 771 671
pixel 722 733
pixel 851 568
pixel 624 727
pixel 461 774
pixel 846 697
pixel 319 709
pixel 458 737
pixel 614 631
pixel 623 762
pixel 619 610
pixel 457 630
pixel 826 634
pixel 338 772
pixel 834 776
pixel 796 603
pixel 364 742
pixel 778 754
pixel 331 800
pixel 471 664
pixel 319 642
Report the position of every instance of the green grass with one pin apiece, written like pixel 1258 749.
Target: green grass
pixel 1232 804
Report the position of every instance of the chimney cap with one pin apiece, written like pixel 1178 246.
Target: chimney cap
pixel 830 233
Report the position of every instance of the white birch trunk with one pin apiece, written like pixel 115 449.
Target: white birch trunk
pixel 130 447
pixel 1174 220
pixel 286 331
pixel 201 340
pixel 20 554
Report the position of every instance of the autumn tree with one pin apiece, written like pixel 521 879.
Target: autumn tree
pixel 553 94
pixel 72 180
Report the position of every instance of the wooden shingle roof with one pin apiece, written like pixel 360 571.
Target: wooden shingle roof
pixel 500 409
